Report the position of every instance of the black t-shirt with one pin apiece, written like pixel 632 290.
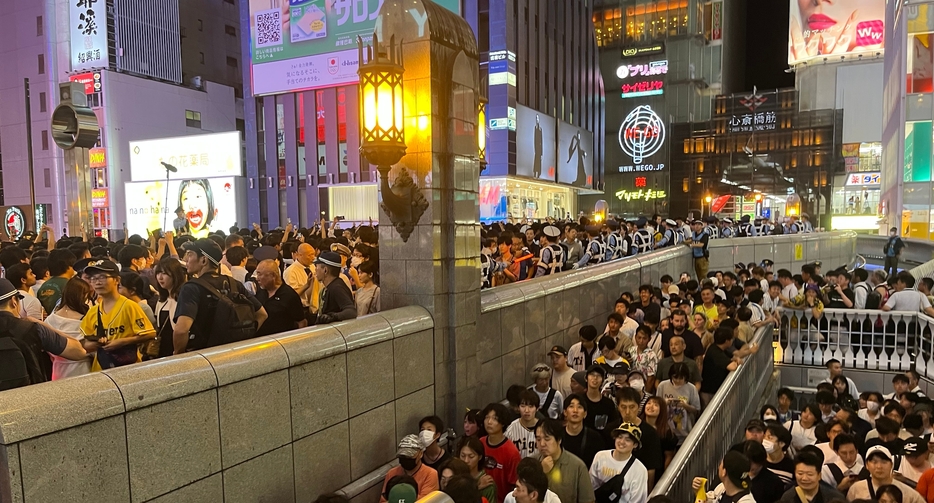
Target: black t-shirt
pixel 767 487
pixel 651 308
pixel 194 303
pixel 601 415
pixel 715 370
pixel 691 344
pixel 584 445
pixel 445 455
pixel 650 453
pixel 836 300
pixel 284 310
pixel 784 470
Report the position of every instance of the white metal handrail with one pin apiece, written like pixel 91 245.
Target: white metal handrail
pixel 860 339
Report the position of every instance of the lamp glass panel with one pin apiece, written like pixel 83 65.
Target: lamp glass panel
pixel 369 106
pixel 384 104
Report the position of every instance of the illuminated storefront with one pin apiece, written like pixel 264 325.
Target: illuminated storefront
pixel 856 195
pixel 520 199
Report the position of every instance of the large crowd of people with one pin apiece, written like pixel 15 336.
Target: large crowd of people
pixel 75 305
pixel 514 252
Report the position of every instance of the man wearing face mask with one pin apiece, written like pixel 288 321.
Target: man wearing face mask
pixel 775 441
pixel 764 485
pixel 637 382
pixel 411 451
pixel 430 430
pixel 873 408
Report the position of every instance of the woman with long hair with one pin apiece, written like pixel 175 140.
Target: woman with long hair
pixel 133 288
pixel 66 318
pixel 170 276
pixel 841 391
pixel 656 414
pixel 470 450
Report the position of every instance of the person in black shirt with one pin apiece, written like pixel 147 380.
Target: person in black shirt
pixel 679 326
pixel 580 440
pixel 194 315
pixel 765 486
pixel 601 412
pixel 646 303
pixel 282 304
pixel 717 364
pixel 336 303
pixel 775 441
pixel 839 295
pixel 650 451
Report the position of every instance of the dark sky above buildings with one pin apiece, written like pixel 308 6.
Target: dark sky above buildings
pixel 767 44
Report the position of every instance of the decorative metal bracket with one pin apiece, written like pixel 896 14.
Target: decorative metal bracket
pixel 403 203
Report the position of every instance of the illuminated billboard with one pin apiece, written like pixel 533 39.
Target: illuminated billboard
pixel 642 136
pixel 306 44
pixel 575 155
pixel 209 204
pixel 840 28
pixel 87 23
pixel 203 156
pixel 535 145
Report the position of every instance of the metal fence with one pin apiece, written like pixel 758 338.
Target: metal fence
pixel 722 423
pixel 864 339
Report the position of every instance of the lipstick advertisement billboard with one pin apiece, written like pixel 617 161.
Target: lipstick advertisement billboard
pixel 840 28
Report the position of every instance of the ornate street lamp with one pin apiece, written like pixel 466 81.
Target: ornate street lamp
pixel 481 132
pixel 382 133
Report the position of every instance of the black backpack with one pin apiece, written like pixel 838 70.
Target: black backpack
pixel 234 316
pixel 13 370
pixel 874 300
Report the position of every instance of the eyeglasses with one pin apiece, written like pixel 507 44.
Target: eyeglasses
pixel 100 278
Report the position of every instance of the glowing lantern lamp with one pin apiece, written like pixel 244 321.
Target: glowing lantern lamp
pixel 382 132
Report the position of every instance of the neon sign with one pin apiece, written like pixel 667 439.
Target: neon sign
pixel 640 195
pixel 641 134
pixel 643 69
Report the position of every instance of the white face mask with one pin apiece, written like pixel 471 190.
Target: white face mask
pixel 872 406
pixel 637 384
pixel 356 261
pixel 770 417
pixel 427 437
pixel 769 446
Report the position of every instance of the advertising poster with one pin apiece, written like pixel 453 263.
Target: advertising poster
pixel 87 20
pixel 575 155
pixel 836 28
pixel 535 144
pixel 206 155
pixel 209 204
pixel 304 44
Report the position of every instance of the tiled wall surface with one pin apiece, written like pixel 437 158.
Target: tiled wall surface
pixel 273 419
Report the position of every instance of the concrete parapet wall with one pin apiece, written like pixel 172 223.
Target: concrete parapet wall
pixel 282 418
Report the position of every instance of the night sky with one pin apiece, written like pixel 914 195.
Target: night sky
pixel 767 45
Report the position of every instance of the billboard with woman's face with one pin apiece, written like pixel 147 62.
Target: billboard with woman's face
pixel 208 204
pixel 821 28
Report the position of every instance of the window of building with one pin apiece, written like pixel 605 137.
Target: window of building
pixel 47 177
pixel 200 25
pixel 42 64
pixel 39 30
pixel 231 62
pixel 202 57
pixel 45 139
pixel 42 102
pixel 193 119
pixel 238 92
pixel 230 30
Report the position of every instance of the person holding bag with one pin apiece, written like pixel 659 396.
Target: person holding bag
pixel 617 476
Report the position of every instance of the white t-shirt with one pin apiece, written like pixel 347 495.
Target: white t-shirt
pixel 556 408
pixel 800 436
pixel 30 305
pixel 635 483
pixel 523 438
pixel 62 367
pixel 908 471
pixel 550 497
pixel 827 475
pixel 908 300
pixel 790 291
pixel 577 358
pixel 679 419
pixel 561 381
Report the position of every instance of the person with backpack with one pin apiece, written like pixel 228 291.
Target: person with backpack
pixel 213 309
pixel 117 324
pixel 337 302
pixel 892 251
pixel 25 345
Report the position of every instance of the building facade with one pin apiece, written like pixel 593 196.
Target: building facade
pixel 539 63
pixel 662 64
pixel 133 74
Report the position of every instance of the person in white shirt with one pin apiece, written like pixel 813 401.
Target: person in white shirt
pixel 296 275
pixel 582 354
pixel 906 299
pixel 844 470
pixel 628 326
pixel 802 430
pixel 789 290
pixel 522 430
pixel 237 257
pixel 879 462
pixel 861 288
pixel 914 378
pixel 561 372
pixel 914 462
pixel 531 484
pixel 900 384
pixel 836 368
pixel 23 279
pixel 832 428
pixel 551 401
pixel 617 471
pixel 733 473
pixel 873 408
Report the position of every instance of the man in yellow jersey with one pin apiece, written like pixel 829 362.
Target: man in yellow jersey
pixel 116 323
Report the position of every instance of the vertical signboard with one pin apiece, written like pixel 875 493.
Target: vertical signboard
pixel 535 145
pixel 87 23
pixel 575 155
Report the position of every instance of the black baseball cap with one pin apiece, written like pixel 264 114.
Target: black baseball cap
pixel 206 248
pixel 915 446
pixel 7 290
pixel 105 266
pixel 559 350
pixel 598 369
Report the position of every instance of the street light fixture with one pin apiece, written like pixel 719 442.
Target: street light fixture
pixel 382 135
pixel 708 200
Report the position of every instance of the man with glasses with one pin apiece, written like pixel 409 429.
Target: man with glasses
pixel 117 324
